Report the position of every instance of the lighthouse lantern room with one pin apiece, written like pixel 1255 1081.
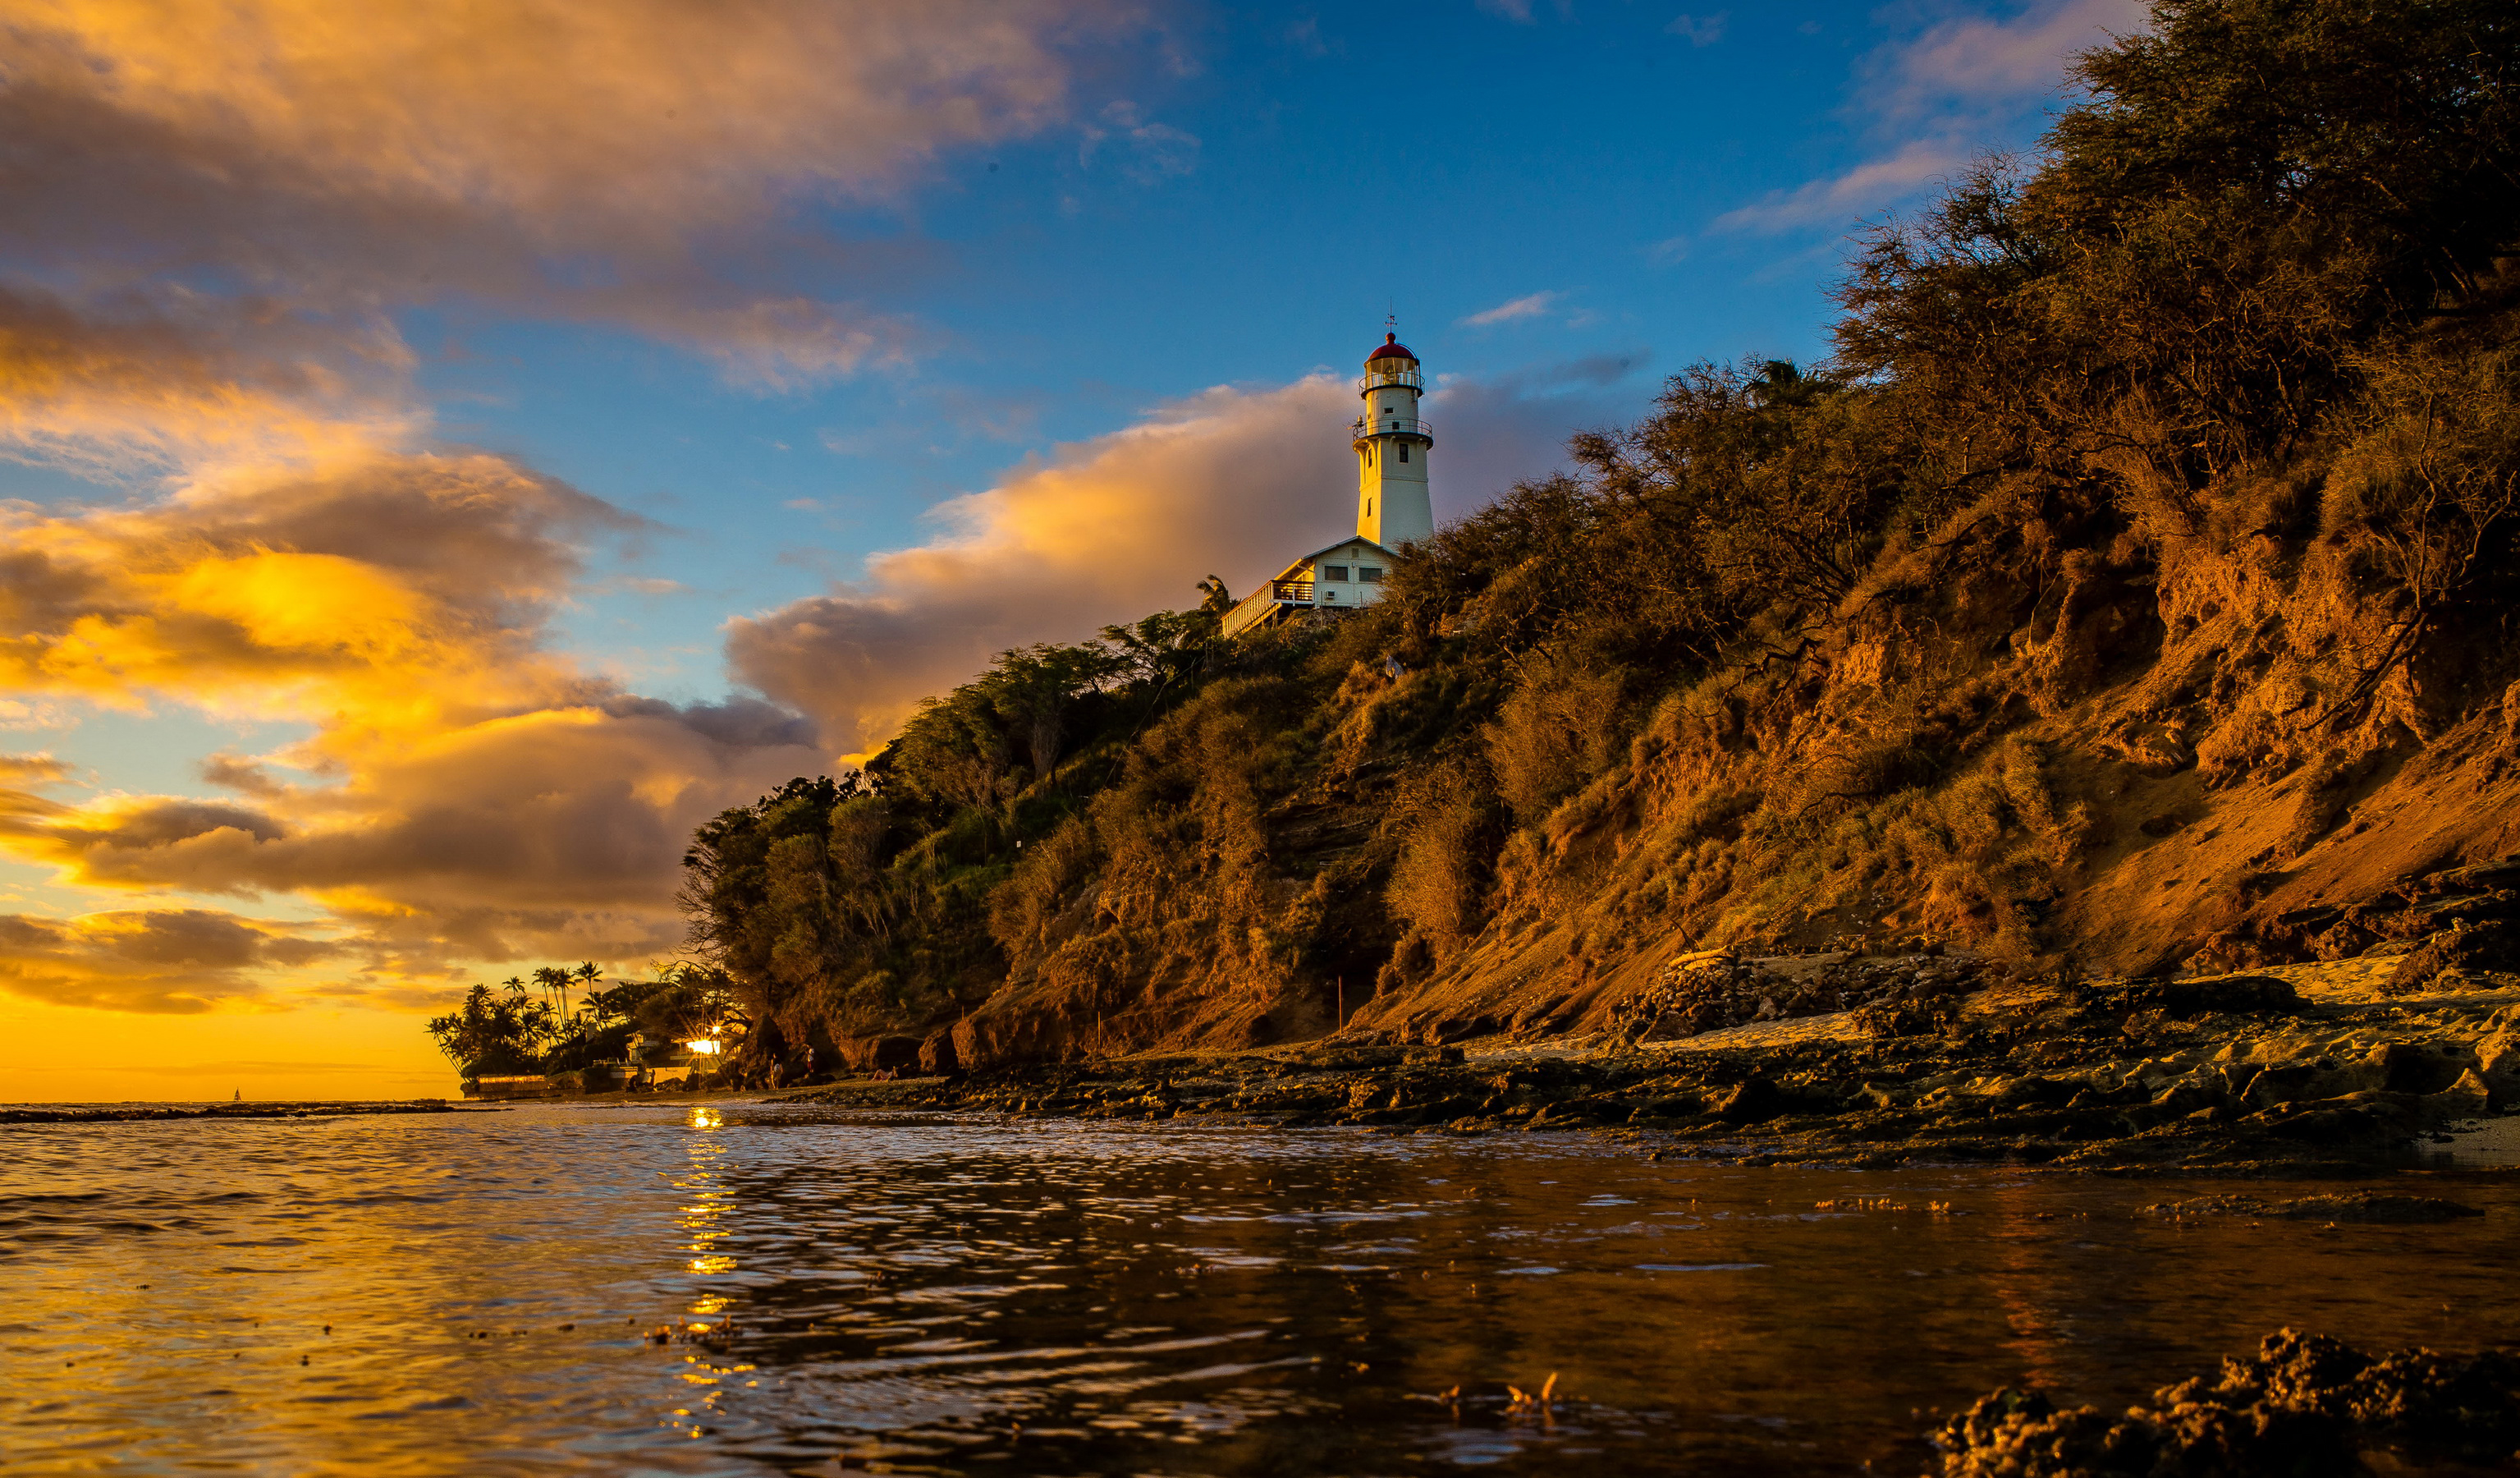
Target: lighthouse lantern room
pixel 1392 508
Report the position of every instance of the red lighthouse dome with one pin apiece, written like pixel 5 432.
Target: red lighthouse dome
pixel 1391 349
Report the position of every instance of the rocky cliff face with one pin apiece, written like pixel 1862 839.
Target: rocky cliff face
pixel 2133 593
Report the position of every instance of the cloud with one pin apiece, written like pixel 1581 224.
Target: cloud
pixel 385 584
pixel 1532 306
pixel 250 1067
pixel 782 344
pixel 213 208
pixel 134 384
pixel 216 213
pixel 1521 12
pixel 1946 95
pixel 1699 31
pixel 1975 59
pixel 1841 200
pixel 39 768
pixel 1150 153
pixel 552 832
pixel 178 961
pixel 463 793
pixel 1233 482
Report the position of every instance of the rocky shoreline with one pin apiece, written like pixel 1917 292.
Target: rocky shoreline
pixel 2302 1068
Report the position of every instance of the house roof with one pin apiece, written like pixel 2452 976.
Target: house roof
pixel 1353 540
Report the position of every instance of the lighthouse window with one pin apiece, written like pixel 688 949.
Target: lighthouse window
pixel 1404 451
pixel 1334 572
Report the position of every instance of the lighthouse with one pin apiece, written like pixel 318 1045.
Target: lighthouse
pixel 1392 511
pixel 1391 445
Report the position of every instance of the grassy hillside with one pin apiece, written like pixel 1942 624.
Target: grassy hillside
pixel 2134 589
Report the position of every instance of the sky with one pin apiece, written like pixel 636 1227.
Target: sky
pixel 449 452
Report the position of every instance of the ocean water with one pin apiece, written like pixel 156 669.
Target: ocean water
pixel 749 1289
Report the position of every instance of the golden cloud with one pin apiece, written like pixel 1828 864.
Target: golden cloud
pixel 464 792
pixel 178 961
pixel 215 209
pixel 242 381
pixel 42 769
pixel 386 593
pixel 1105 531
pixel 562 109
pixel 619 161
pixel 1233 482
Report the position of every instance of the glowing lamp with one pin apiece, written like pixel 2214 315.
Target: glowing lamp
pixel 707 1046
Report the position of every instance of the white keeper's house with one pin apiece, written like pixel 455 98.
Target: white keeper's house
pixel 1392 511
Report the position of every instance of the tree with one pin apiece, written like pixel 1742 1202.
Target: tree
pixel 491 1033
pixel 1031 687
pixel 554 982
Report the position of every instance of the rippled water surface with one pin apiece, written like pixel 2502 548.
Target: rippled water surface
pixel 475 1293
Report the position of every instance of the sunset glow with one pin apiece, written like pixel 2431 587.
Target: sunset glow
pixel 455 451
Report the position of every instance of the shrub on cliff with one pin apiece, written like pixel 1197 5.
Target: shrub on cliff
pixel 2177 458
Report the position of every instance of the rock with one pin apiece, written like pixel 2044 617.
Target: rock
pixel 1747 1102
pixel 2183 999
pixel 2413 1067
pixel 2361 1206
pixel 2028 1091
pixel 2466 1099
pixel 2355 1117
pixel 1892 1017
pixel 2498 1066
pixel 1710 989
pixel 2190 1094
pixel 2367 1207
pixel 2306 1406
pixel 882 1054
pixel 936 1055
pixel 2019 1434
pixel 2487 945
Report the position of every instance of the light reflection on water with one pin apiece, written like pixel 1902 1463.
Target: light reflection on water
pixel 984 1297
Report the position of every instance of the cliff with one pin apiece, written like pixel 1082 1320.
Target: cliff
pixel 2131 594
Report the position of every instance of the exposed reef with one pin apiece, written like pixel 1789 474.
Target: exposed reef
pixel 2161 1075
pixel 2305 1406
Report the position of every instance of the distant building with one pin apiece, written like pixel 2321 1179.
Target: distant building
pixel 1392 509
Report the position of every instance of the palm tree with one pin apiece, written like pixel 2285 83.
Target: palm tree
pixel 554 983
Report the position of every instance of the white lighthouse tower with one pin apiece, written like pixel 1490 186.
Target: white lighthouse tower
pixel 1392 511
pixel 1391 446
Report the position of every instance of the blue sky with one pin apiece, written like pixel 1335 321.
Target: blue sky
pixel 1240 206
pixel 455 462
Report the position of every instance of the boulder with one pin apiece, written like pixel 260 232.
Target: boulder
pixel 2419 1067
pixel 2444 961
pixel 2498 1066
pixel 1747 1102
pixel 936 1055
pixel 2180 999
pixel 881 1054
pixel 2464 1100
